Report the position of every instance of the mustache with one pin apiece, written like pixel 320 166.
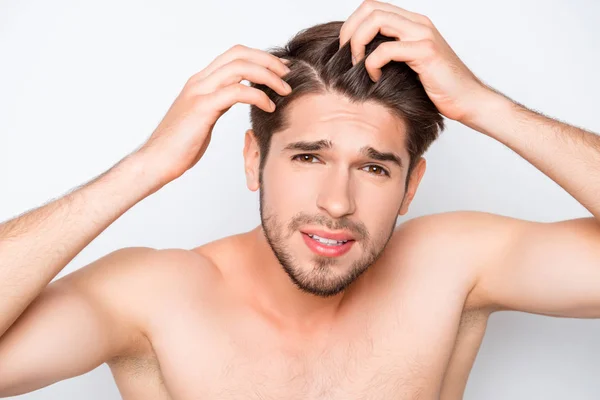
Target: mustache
pixel 300 219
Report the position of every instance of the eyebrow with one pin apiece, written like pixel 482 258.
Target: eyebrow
pixel 367 151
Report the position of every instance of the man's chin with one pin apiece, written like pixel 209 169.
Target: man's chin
pixel 319 289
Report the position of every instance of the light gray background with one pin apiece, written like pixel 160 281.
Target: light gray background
pixel 82 84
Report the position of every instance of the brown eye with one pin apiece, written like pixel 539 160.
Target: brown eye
pixel 303 157
pixel 378 170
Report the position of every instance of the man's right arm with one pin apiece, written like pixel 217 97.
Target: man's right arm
pixel 80 321
pixel 36 246
pixel 67 325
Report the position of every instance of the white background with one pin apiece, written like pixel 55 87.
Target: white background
pixel 82 84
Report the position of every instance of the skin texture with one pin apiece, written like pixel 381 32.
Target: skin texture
pixel 391 335
pixel 353 193
pixel 256 315
pixel 336 189
pixel 225 321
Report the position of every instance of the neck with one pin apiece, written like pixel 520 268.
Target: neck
pixel 277 297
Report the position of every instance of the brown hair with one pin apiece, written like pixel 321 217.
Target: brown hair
pixel 318 65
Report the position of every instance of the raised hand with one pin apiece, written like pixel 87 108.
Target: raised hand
pixel 184 133
pixel 450 85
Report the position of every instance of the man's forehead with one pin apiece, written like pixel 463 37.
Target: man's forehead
pixel 330 116
pixel 314 108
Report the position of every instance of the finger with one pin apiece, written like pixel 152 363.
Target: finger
pixel 389 24
pixel 366 8
pixel 239 51
pixel 224 98
pixel 241 69
pixel 412 53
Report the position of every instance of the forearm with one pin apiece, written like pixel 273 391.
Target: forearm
pixel 568 155
pixel 36 246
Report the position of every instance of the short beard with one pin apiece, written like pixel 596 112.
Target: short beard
pixel 320 281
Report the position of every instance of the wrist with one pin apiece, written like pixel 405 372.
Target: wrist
pixel 144 170
pixel 490 107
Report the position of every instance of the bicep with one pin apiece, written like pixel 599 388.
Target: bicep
pixel 72 327
pixel 543 268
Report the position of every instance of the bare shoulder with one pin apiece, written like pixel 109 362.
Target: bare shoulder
pixel 136 286
pixel 456 244
pixel 461 225
pixel 131 271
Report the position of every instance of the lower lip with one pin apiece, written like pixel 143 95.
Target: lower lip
pixel 327 251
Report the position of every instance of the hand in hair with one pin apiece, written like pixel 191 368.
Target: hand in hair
pixel 184 133
pixel 450 85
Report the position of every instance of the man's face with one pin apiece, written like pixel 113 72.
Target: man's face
pixel 334 189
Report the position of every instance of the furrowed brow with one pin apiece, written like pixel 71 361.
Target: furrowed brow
pixel 375 154
pixel 309 146
pixel 367 151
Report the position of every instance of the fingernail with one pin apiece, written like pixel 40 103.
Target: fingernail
pixel 272 105
pixel 287 86
pixel 353 60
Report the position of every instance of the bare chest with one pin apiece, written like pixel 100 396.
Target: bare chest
pixel 360 369
pixel 383 353
pixel 396 343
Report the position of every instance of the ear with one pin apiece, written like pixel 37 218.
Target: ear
pixel 251 160
pixel 413 184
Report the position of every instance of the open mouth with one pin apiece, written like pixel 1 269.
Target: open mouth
pixel 327 247
pixel 327 242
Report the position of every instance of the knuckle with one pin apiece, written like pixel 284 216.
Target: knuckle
pixel 343 30
pixel 369 4
pixel 370 62
pixel 355 44
pixel 425 20
pixel 428 34
pixel 190 82
pixel 386 46
pixel 195 79
pixel 262 98
pixel 191 86
pixel 238 63
pixel 200 101
pixel 378 14
pixel 234 65
pixel 237 89
pixel 429 46
pixel 238 47
pixel 194 87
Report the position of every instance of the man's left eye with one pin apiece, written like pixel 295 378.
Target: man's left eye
pixel 382 172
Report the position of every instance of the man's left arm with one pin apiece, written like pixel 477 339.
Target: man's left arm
pixel 545 268
pixel 568 155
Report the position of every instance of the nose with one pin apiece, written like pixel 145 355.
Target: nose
pixel 335 196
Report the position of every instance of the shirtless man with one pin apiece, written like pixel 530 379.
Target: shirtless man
pixel 394 313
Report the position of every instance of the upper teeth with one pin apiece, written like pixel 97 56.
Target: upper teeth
pixel 325 240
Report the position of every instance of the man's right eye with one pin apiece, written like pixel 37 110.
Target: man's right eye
pixel 303 157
